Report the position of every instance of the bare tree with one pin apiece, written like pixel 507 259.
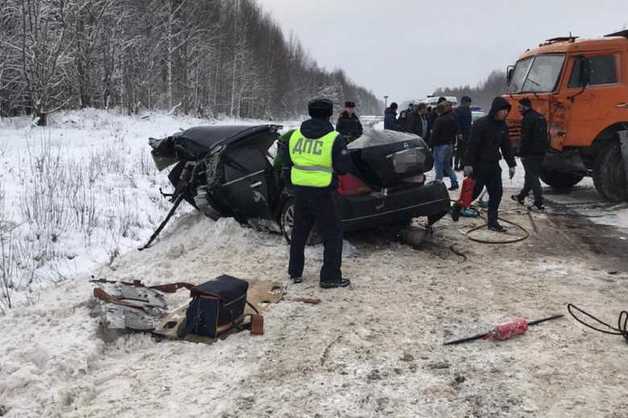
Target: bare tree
pixel 213 57
pixel 87 26
pixel 44 43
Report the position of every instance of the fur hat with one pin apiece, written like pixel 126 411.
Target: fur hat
pixel 320 108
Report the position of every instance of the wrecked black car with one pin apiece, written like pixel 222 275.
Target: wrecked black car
pixel 229 171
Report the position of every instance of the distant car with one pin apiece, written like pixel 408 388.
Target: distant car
pixel 228 171
pixel 477 114
pixel 433 100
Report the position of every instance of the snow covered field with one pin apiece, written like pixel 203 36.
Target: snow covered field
pixel 372 350
pixel 77 194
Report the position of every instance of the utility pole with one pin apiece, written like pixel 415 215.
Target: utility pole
pixel 385 102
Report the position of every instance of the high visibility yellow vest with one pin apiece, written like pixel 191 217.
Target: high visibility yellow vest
pixel 311 159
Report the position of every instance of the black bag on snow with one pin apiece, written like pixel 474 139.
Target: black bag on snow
pixel 216 306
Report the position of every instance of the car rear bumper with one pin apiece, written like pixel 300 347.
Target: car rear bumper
pixel 363 212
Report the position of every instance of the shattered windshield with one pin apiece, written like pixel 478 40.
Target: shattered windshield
pixel 537 74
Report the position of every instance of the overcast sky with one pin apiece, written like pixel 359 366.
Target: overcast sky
pixel 407 48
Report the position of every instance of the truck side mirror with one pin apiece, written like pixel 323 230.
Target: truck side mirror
pixel 510 70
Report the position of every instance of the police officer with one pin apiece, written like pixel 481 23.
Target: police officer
pixel 316 154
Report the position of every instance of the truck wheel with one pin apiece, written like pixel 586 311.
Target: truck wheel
pixel 286 223
pixel 560 180
pixel 609 174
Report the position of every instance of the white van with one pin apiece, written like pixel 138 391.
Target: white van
pixel 433 100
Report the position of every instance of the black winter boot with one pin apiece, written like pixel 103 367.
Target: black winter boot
pixel 518 199
pixel 335 284
pixel 496 228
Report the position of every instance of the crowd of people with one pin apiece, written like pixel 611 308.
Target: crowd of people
pixel 312 157
pixel 445 129
pixel 459 144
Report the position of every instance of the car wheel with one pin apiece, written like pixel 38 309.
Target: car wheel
pixel 609 175
pixel 286 223
pixel 560 180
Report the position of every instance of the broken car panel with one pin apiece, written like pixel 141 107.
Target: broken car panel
pixel 227 171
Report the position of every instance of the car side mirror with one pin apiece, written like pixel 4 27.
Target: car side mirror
pixel 510 71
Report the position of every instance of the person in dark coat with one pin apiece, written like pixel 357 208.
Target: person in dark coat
pixel 405 119
pixel 414 121
pixel 534 145
pixel 464 119
pixel 390 117
pixel 349 123
pixel 423 128
pixel 489 136
pixel 442 142
pixel 314 187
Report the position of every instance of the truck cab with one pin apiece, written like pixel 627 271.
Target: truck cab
pixel 581 87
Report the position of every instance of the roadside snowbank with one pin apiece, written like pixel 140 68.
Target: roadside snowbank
pixel 78 193
pixel 371 350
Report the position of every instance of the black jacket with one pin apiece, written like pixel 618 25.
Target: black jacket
pixel 414 124
pixel 445 130
pixel 349 126
pixel 534 138
pixel 402 120
pixel 390 120
pixel 488 137
pixel 317 128
pixel 464 119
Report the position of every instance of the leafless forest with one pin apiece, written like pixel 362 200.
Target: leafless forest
pixel 202 57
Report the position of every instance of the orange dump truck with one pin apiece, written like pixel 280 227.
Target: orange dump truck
pixel 581 86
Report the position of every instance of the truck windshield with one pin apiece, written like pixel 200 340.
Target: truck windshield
pixel 538 74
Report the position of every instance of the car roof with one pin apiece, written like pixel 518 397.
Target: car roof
pixel 208 136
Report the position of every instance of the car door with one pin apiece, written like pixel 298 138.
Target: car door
pixel 248 187
pixel 589 106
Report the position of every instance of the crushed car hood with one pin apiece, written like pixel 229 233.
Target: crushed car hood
pixel 194 143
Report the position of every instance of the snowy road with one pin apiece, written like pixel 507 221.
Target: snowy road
pixel 372 350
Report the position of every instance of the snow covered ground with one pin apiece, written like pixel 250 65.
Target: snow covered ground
pixel 78 193
pixel 372 350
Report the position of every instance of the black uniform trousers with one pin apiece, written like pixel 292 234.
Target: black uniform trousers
pixel 461 144
pixel 317 207
pixel 532 166
pixel 489 176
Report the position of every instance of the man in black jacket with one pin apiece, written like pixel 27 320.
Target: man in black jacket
pixel 315 201
pixel 416 121
pixel 423 123
pixel 464 119
pixel 489 136
pixel 349 123
pixel 442 142
pixel 390 117
pixel 534 144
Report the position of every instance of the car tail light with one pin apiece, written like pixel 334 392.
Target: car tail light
pixel 350 185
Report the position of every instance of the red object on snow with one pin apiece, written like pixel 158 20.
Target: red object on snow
pixel 466 194
pixel 349 185
pixel 508 330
